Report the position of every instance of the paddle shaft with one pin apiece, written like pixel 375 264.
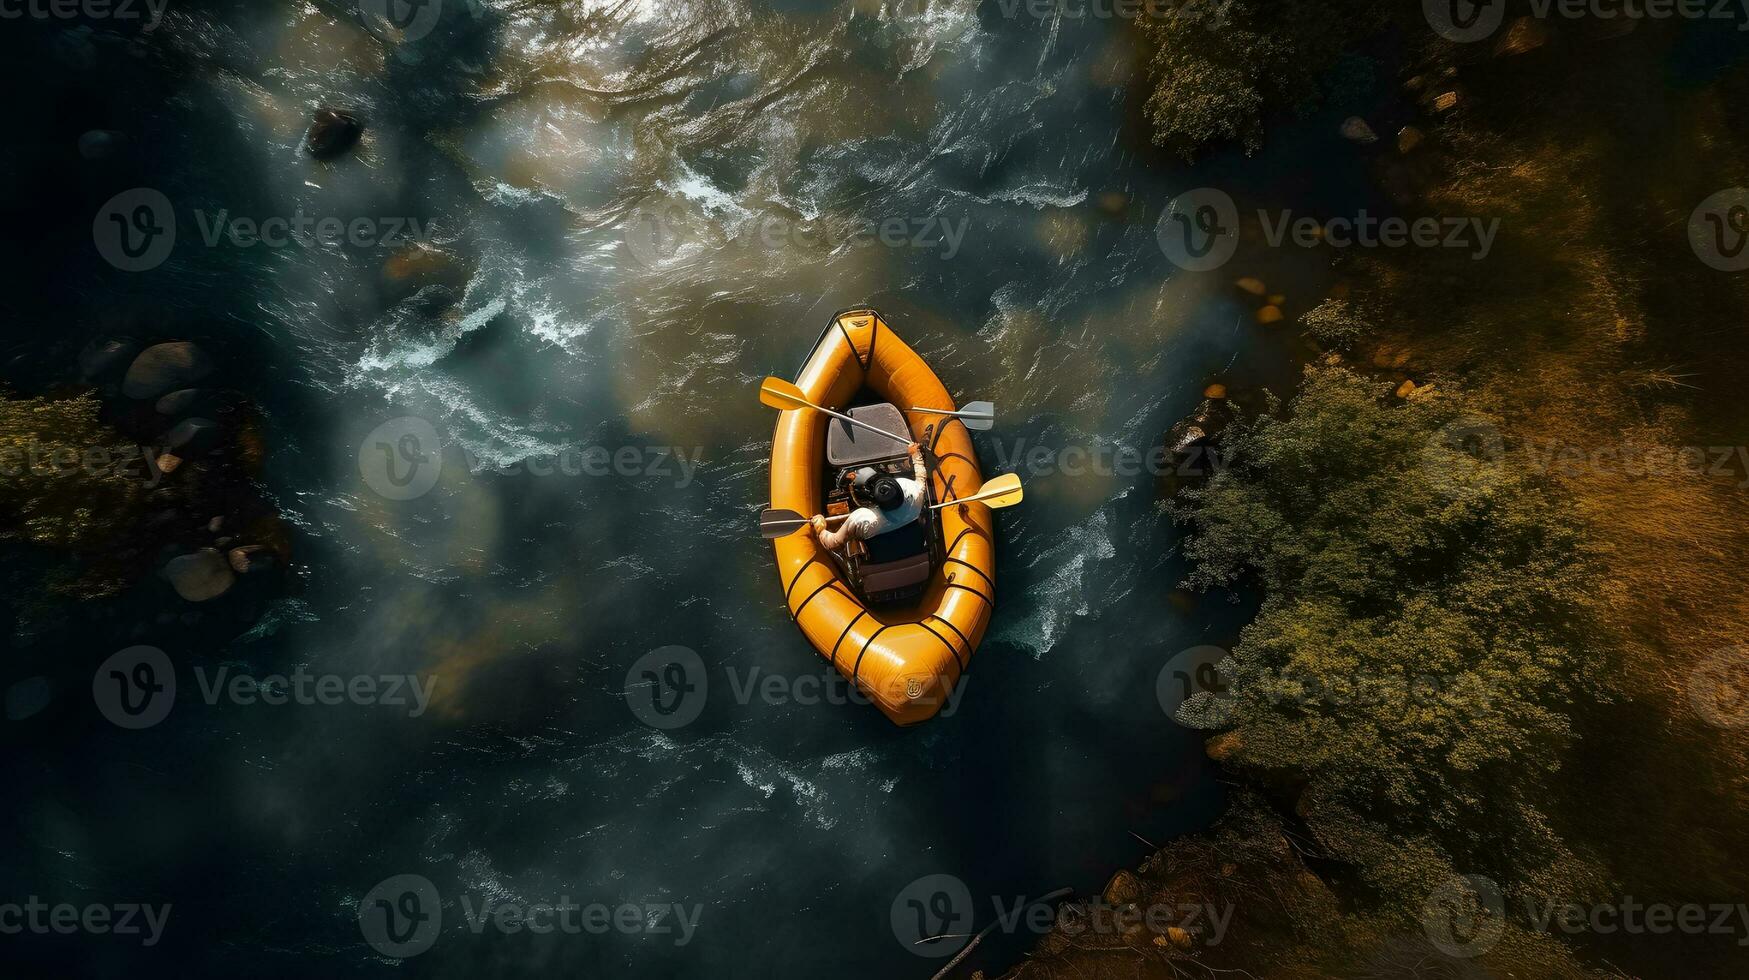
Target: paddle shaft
pixel 799 521
pixel 872 428
pixel 976 497
pixel 778 393
pixel 957 415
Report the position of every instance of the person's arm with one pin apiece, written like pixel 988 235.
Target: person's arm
pixel 917 465
pixel 831 540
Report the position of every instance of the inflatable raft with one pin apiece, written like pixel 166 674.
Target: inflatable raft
pixel 906 659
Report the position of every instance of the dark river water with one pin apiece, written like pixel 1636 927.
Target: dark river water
pixel 652 210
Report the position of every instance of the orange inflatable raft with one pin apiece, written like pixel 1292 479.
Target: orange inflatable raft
pixel 905 659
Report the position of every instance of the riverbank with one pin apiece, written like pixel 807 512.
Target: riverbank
pixel 1576 385
pixel 135 517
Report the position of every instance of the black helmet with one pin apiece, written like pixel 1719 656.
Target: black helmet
pixel 885 492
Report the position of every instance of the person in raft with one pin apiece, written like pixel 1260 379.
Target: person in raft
pixel 897 502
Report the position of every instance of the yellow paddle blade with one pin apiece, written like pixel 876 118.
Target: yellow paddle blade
pixel 997 493
pixel 780 394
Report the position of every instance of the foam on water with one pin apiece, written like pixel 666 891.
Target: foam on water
pixel 1068 589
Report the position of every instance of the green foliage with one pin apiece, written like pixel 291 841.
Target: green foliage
pixel 1218 65
pixel 1336 325
pixel 68 483
pixel 1424 633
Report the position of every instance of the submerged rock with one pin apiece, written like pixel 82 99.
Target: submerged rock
pixel 1123 888
pixel 1202 427
pixel 186 401
pixel 332 133
pixel 192 437
pixel 420 265
pixel 251 558
pixel 1525 34
pixel 201 576
pixel 1224 746
pixel 28 697
pixel 105 358
pixel 1356 129
pixel 163 368
pixel 101 144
